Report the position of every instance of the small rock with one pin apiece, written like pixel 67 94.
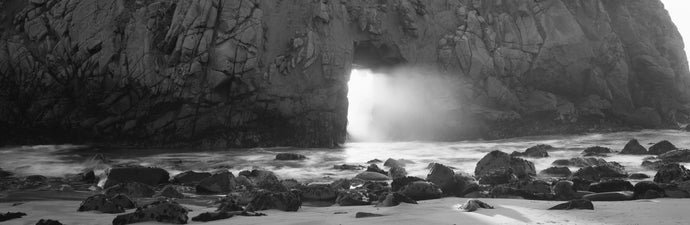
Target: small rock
pixel 161 211
pixel 579 162
pixel 290 156
pixel 397 172
pixel 123 201
pixel 100 203
pixel 610 186
pixel 652 194
pixel 366 214
pixel 671 172
pixel 190 177
pixel 319 192
pixel 595 173
pixel 563 190
pixel 170 191
pixel 372 176
pixel 473 204
pixel 498 176
pixel 555 172
pixel 633 147
pixel 574 204
pixel 537 151
pixel 422 190
pixel 610 196
pixel 399 183
pixel 11 215
pixel 638 176
pixel 132 189
pixel 48 222
pixel 212 216
pixel 596 151
pixel 221 182
pixel 145 175
pixel 396 163
pixel 284 201
pixel 661 147
pixel 375 168
pixel 673 191
pixel 444 177
pixel 352 197
pixel 264 179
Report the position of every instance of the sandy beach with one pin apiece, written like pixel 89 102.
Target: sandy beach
pixel 440 211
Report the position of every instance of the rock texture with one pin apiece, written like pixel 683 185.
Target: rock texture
pixel 274 73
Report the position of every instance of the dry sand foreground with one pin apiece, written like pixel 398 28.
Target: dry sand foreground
pixel 440 211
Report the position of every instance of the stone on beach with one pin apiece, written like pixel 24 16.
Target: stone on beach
pixel 671 172
pixel 11 215
pixel 611 196
pixel 633 147
pixel 48 222
pixel 678 155
pixel 472 205
pixel 100 203
pixel 563 190
pixel 596 151
pixel 579 162
pixel 190 177
pixel 319 192
pixel 372 176
pixel 596 173
pixel 394 199
pixel 555 172
pixel 145 175
pixel 661 148
pixel 421 190
pixel 366 214
pixel 537 151
pixel 164 211
pixel 219 182
pixel 611 185
pixel 498 159
pixel 169 191
pixel 574 204
pixel 131 189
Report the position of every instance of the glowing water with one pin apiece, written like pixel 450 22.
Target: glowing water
pixel 61 160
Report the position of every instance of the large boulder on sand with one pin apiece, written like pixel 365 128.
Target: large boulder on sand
pixel 100 203
pixel 498 159
pixel 131 189
pixel 671 172
pixel 219 182
pixel 661 147
pixel 264 179
pixel 633 147
pixel 498 176
pixel 145 175
pixel 399 183
pixel 563 190
pixel 611 185
pixel 537 151
pixel 447 180
pixel 160 211
pixel 596 173
pixel 641 188
pixel 421 190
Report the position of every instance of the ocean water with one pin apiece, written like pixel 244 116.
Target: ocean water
pixel 60 160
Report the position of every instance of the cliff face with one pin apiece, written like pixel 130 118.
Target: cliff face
pixel 274 72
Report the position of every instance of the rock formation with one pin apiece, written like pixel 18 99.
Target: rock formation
pixel 245 73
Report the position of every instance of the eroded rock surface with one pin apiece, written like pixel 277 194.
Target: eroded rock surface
pixel 272 73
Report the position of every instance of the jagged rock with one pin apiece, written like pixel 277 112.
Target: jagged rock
pixel 190 177
pixel 397 172
pixel 537 151
pixel 212 216
pixel 555 172
pixel 641 188
pixel 444 177
pixel 290 156
pixel 498 176
pixel 11 215
pixel 291 184
pixel 610 196
pixel 537 187
pixel 123 201
pixel 673 191
pixel 394 199
pixel 596 173
pixel 48 222
pixel 399 183
pixel 160 211
pixel 132 189
pixel 564 190
pixel 220 182
pixel 661 147
pixel 372 176
pixel 579 162
pixel 638 176
pixel 653 164
pixel 596 151
pixel 679 155
pixel 473 204
pixel 100 203
pixel 352 197
pixel 574 204
pixel 633 147
pixel 284 201
pixel 498 159
pixel 145 175
pixel 375 168
pixel 611 185
pixel 169 191
pixel 264 179
pixel 671 172
pixel 319 192
pixel 421 190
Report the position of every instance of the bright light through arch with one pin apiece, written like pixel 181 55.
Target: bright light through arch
pixel 361 92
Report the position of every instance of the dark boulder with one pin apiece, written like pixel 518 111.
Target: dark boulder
pixel 641 188
pixel 610 196
pixel 190 177
pixel 596 173
pixel 537 151
pixel 536 187
pixel 399 183
pixel 290 156
pixel 100 203
pixel 397 172
pixel 372 176
pixel 638 176
pixel 284 201
pixel 390 162
pixel 574 204
pixel 375 168
pixel 169 191
pixel 366 214
pixel 394 199
pixel 48 222
pixel 353 197
pixel 579 162
pixel 444 177
pixel 671 172
pixel 555 172
pixel 661 147
pixel 498 176
pixel 563 190
pixel 11 215
pixel 652 194
pixel 498 159
pixel 348 167
pixel 673 191
pixel 123 201
pixel 131 189
pixel 4 173
pixel 596 151
pixel 220 182
pixel 163 211
pixel 421 190
pixel 145 175
pixel 611 185
pixel 653 164
pixel 679 155
pixel 319 192
pixel 264 179
pixel 472 205
pixel 633 147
